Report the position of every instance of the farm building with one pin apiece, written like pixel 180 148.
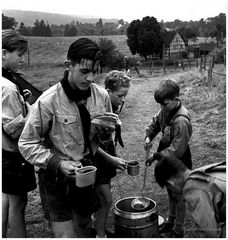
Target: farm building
pixel 197 50
pixel 174 45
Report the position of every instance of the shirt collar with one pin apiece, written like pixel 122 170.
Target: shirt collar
pixel 74 94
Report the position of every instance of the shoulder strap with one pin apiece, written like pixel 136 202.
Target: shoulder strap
pixel 181 115
pixel 212 169
pixel 173 119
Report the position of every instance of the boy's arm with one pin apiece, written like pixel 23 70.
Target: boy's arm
pixel 31 140
pixel 181 136
pixel 13 119
pixel 154 127
pixel 112 160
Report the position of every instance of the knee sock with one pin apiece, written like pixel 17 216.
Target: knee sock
pixel 179 227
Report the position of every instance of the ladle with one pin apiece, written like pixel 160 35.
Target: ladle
pixel 142 203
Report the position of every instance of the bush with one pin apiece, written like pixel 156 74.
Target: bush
pixel 112 57
pixel 218 55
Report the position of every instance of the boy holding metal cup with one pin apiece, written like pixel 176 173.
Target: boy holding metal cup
pixel 58 134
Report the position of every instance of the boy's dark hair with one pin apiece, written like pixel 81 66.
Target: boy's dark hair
pixel 13 40
pixel 84 48
pixel 167 89
pixel 117 79
pixel 166 168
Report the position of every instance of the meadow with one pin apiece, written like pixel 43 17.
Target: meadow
pixel 205 101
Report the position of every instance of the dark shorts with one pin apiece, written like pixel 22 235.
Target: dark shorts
pixel 18 176
pixel 105 172
pixel 60 197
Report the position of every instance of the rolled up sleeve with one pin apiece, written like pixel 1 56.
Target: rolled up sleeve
pixel 13 115
pixel 31 142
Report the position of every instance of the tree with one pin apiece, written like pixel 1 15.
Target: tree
pixel 188 33
pixel 111 56
pixel 23 29
pixel 8 22
pixel 99 27
pixel 132 36
pixel 144 37
pixel 70 30
pixel 217 26
pixel 41 29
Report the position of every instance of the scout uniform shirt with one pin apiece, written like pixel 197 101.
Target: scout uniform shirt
pixel 54 127
pixel 205 194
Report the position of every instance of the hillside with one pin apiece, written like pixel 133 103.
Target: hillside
pixel 29 17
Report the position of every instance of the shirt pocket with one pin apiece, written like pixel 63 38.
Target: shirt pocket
pixel 70 129
pixel 166 137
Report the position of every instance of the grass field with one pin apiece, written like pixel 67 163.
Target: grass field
pixel 206 103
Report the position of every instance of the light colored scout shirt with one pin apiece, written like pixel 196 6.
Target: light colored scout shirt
pixel 13 115
pixel 54 126
pixel 205 194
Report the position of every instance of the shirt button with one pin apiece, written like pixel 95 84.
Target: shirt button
pixel 65 120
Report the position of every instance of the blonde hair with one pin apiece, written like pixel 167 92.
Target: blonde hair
pixel 117 79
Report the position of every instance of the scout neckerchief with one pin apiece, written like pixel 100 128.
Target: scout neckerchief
pixel 117 137
pixel 80 98
pixel 10 76
pixel 170 115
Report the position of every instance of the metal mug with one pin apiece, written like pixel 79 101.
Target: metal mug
pixel 133 168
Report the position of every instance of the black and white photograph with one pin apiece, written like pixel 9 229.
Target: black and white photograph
pixel 113 119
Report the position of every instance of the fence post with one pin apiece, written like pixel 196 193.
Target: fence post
pixel 152 65
pixel 182 64
pixel 137 70
pixel 28 58
pixel 164 66
pixel 210 70
pixel 201 63
pixel 196 63
pixel 163 62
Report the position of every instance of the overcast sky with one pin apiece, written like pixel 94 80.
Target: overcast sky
pixel 167 10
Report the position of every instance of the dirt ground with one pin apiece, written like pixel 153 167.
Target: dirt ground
pixel 207 144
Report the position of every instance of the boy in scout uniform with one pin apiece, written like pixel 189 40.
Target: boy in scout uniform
pixel 204 191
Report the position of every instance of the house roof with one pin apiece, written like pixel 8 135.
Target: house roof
pixel 168 37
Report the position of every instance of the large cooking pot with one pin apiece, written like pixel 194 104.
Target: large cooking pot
pixel 131 223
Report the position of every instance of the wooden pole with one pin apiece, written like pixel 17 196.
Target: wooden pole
pixel 210 70
pixel 28 58
pixel 164 59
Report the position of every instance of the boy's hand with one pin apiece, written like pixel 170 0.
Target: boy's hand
pixel 68 168
pixel 27 94
pixel 147 144
pixel 120 163
pixel 150 160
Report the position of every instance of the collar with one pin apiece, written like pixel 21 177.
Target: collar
pixel 174 111
pixel 12 76
pixel 74 94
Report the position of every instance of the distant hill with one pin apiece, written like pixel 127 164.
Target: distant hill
pixel 29 17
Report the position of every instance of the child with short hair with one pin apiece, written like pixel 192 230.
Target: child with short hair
pixel 173 120
pixel 204 191
pixel 58 135
pixel 117 83
pixel 18 177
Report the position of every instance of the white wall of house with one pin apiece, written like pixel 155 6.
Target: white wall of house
pixel 177 45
